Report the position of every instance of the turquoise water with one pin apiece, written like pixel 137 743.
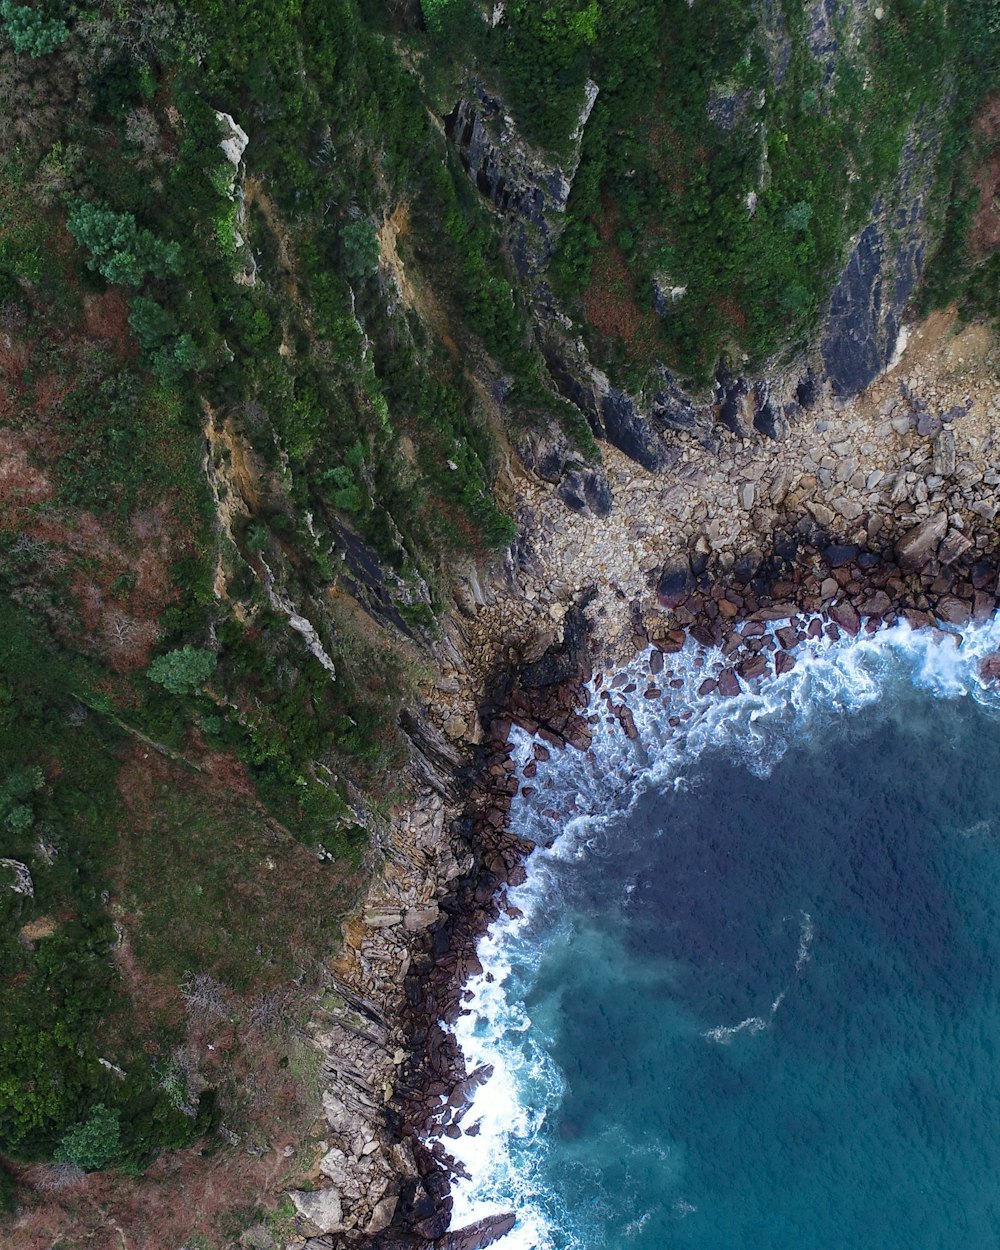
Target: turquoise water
pixel 753 999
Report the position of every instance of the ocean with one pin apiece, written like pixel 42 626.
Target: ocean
pixel 750 995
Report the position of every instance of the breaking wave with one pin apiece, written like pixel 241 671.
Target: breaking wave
pixel 572 803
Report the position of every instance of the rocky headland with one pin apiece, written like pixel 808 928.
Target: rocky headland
pixel 870 510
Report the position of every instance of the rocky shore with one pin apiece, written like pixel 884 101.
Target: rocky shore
pixel 875 510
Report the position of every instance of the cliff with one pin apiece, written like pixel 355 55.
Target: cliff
pixel 368 374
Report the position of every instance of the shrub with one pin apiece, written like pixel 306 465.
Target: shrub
pixel 121 251
pixel 94 1143
pixel 361 250
pixel 183 671
pixel 29 30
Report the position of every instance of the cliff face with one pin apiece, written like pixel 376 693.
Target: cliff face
pixel 877 247
pixel 365 373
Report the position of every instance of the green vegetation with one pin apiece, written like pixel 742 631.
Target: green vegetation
pixel 723 158
pixel 95 1142
pixel 31 30
pixel 120 251
pixel 183 671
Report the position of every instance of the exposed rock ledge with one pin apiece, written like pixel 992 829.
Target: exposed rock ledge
pixel 881 509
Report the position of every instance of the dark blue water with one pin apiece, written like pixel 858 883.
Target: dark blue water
pixel 761 1007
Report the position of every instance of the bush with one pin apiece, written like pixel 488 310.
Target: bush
pixel 94 1143
pixel 121 251
pixel 183 671
pixel 29 30
pixel 361 250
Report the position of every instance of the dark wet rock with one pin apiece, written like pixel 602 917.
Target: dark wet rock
pixel 675 584
pixel 984 576
pixel 983 606
pixel 769 421
pixel 728 683
pixel 814 629
pixel 807 391
pixel 479 1235
pixel 745 568
pixel 626 428
pixel 918 545
pixel 671 408
pixel 655 662
pixel 783 663
pixel 846 616
pixel 882 272
pixel 838 555
pixel 707 687
pixel 877 604
pixel 954 611
pixel 586 490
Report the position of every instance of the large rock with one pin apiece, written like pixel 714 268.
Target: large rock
pixel 321 1207
pixel 919 545
pixel 675 584
pixel 382 1215
pixel 586 490
pixel 481 1234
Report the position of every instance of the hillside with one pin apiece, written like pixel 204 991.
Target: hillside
pixel 309 313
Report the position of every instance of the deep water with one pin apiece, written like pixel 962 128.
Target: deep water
pixel 753 1000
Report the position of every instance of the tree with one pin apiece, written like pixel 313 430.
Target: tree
pixel 183 671
pixel 169 353
pixel 93 1143
pixel 29 30
pixel 361 250
pixel 121 251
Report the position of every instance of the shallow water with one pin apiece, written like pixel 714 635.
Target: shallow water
pixel 753 999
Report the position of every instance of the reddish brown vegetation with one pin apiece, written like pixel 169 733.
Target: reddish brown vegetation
pixel 609 301
pixel 984 237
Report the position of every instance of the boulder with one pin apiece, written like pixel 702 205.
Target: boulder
pixel 846 616
pixel 953 545
pixel 838 555
pixel 729 683
pixel 918 545
pixel 321 1208
pixel 675 584
pixel 418 918
pixel 481 1234
pixel 954 611
pixel 783 662
pixel 877 604
pixel 586 490
pixel 989 667
pixel 385 1209
pixel 753 666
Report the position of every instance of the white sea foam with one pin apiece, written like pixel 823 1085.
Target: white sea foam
pixel 578 795
pixel 806 935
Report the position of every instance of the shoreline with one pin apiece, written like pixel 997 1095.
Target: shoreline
pixel 581 596
pixel 546 698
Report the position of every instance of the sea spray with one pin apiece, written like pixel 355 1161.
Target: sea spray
pixel 582 800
